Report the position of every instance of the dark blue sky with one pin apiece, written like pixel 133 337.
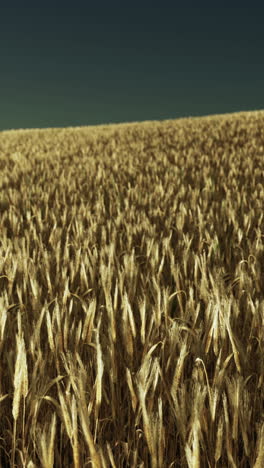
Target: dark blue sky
pixel 77 63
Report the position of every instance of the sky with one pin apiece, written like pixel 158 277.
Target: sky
pixel 67 64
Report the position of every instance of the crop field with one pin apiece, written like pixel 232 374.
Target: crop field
pixel 132 294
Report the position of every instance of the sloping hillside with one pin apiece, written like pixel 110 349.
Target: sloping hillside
pixel 132 294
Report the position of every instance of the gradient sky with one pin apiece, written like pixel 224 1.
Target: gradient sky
pixel 76 63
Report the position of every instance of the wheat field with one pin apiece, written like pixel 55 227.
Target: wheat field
pixel 132 294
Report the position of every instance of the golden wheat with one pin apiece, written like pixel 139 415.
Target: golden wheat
pixel 131 295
